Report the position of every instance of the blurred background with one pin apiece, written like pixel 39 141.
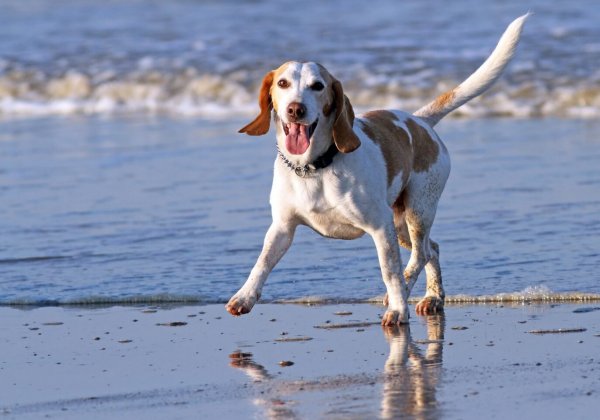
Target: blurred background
pixel 206 58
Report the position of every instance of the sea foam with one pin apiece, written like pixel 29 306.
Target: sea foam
pixel 189 93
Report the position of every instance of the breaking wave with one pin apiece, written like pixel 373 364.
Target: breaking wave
pixel 191 93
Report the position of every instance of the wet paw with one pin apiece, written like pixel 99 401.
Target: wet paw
pixel 391 318
pixel 240 304
pixel 430 305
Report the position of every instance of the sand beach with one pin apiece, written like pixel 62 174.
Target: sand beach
pixel 304 361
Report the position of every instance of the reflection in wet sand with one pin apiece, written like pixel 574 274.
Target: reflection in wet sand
pixel 276 407
pixel 411 377
pixel 410 380
pixel 244 361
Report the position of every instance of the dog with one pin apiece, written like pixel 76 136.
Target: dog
pixel 381 173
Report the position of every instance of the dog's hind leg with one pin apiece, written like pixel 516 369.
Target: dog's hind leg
pixel 421 200
pixel 418 230
pixel 433 301
pixel 425 254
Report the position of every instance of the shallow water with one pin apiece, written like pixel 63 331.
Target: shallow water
pixel 207 58
pixel 156 209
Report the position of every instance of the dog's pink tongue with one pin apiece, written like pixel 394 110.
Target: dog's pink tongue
pixel 297 139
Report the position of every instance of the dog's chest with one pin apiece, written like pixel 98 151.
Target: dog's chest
pixel 326 210
pixel 329 225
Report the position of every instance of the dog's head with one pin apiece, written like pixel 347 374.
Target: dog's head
pixel 310 108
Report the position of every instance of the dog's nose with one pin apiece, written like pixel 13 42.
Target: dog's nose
pixel 296 110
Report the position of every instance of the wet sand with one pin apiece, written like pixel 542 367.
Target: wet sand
pixel 285 360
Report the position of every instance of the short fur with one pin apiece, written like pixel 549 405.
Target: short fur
pixel 386 181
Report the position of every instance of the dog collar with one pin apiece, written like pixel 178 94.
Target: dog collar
pixel 321 162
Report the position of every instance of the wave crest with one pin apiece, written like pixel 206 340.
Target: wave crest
pixel 187 92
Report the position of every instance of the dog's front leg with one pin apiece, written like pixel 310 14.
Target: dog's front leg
pixel 390 261
pixel 277 242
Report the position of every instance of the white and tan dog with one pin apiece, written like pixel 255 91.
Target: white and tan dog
pixel 381 173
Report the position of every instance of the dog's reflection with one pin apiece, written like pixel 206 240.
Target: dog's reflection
pixel 410 380
pixel 411 376
pixel 244 362
pixel 276 406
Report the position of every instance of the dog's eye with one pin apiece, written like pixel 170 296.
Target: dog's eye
pixel 317 86
pixel 283 84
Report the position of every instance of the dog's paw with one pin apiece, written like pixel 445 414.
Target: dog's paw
pixel 241 304
pixel 391 318
pixel 430 305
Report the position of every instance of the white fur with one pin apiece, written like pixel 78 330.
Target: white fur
pixel 351 196
pixel 484 76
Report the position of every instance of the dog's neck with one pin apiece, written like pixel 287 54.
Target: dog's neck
pixel 321 162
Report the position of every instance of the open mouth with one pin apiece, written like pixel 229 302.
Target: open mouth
pixel 297 136
pixel 311 128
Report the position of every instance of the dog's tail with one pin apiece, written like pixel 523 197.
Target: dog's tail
pixel 478 82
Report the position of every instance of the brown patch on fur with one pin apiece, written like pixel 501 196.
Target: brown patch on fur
pixel 426 150
pixel 344 137
pixel 329 107
pixel 343 134
pixel 399 221
pixel 276 75
pixel 394 142
pixel 262 122
pixel 398 205
pixel 266 101
pixel 443 100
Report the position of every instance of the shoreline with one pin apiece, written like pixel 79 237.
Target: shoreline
pixel 299 360
pixel 530 295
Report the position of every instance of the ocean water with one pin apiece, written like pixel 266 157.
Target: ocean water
pixel 123 178
pixel 148 209
pixel 206 58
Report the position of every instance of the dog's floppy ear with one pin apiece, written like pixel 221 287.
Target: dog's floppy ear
pixel 343 135
pixel 261 123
